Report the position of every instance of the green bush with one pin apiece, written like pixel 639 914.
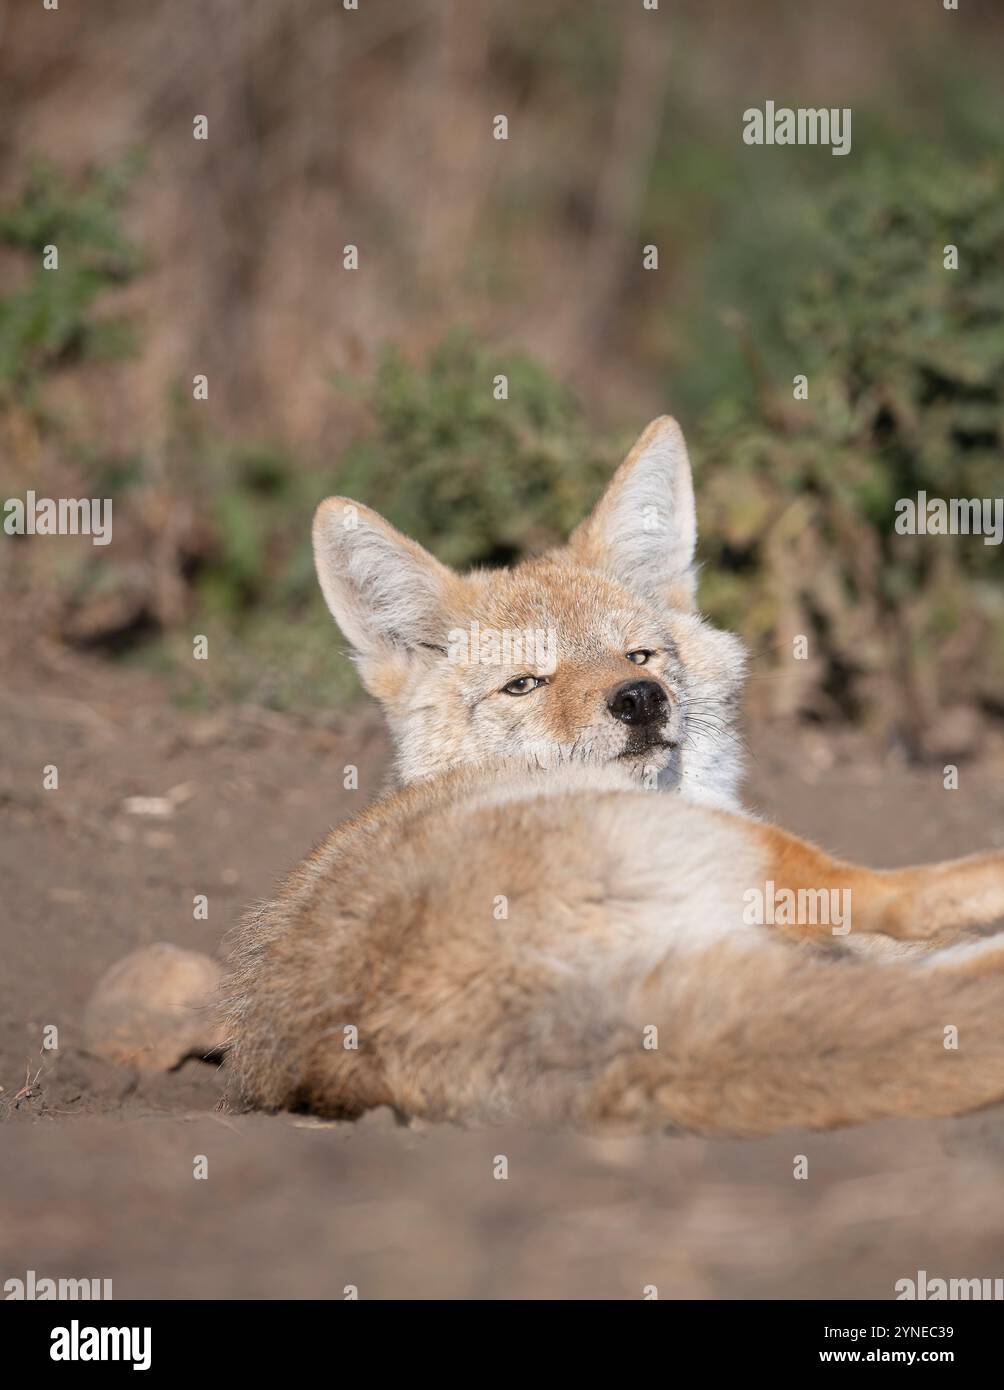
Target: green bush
pixel 905 361
pixel 905 364
pixel 49 321
pixel 477 480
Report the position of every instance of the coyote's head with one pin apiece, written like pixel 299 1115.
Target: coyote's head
pixel 591 652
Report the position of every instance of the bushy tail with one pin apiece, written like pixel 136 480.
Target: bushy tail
pixel 748 1041
pixel 744 1037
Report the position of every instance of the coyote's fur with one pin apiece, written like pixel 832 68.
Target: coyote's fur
pixel 528 929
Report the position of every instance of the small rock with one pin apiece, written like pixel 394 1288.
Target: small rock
pixel 155 1008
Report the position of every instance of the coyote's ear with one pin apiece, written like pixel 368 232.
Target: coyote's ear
pixel 384 590
pixel 643 530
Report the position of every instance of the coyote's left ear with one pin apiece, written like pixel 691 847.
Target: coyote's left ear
pixel 643 530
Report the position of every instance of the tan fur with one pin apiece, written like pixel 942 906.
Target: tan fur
pixel 529 929
pixel 912 904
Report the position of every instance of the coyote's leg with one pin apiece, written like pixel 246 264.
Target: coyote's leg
pixel 910 904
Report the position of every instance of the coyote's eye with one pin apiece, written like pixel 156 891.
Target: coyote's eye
pixel 522 685
pixel 639 657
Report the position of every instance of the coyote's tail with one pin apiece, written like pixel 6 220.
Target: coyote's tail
pixel 743 1037
pixel 745 1041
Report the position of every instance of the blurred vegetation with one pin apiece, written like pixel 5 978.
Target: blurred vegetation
pixel 49 321
pixel 773 263
pixel 905 367
pixel 480 480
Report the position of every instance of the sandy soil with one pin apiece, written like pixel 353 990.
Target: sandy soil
pixel 96 1165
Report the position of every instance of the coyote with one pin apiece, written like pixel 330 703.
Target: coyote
pixel 545 921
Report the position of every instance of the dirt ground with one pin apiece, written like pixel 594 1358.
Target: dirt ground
pixel 96 1165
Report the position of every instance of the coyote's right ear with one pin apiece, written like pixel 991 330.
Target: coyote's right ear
pixel 384 591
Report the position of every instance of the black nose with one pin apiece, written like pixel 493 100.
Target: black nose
pixel 637 702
